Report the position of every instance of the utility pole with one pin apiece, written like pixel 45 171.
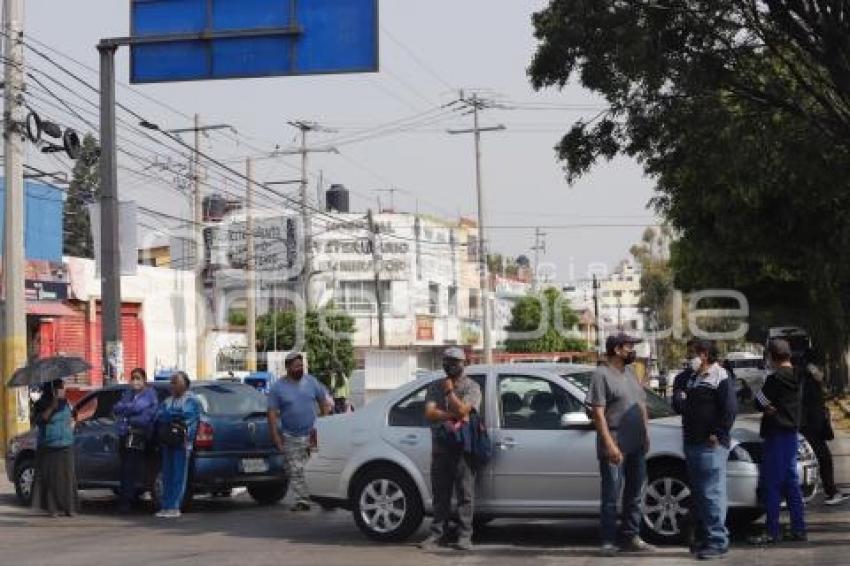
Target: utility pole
pixel 476 104
pixel 14 313
pixel 304 151
pixel 539 245
pixel 596 313
pixel 376 263
pixel 200 251
pixel 251 279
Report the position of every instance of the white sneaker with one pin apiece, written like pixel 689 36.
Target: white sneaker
pixel 173 514
pixel 161 514
pixel 836 499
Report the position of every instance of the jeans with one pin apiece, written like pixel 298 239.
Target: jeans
pixel 629 477
pixel 779 479
pixel 707 474
pixel 451 472
pixel 175 472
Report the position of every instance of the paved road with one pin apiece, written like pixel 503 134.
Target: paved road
pixel 236 531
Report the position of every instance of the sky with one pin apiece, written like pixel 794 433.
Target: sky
pixel 428 51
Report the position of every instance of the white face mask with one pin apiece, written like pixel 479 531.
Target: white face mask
pixel 696 363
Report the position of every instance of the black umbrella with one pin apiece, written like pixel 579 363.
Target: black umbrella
pixel 46 370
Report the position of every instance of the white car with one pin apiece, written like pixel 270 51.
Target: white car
pixel 376 461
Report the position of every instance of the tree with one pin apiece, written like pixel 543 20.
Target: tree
pixel 83 190
pixel 330 358
pixel 526 316
pixel 739 111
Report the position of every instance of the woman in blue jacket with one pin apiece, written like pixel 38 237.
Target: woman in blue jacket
pixel 135 414
pixel 55 485
pixel 177 423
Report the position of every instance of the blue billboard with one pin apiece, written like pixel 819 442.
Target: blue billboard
pixel 186 40
pixel 43 208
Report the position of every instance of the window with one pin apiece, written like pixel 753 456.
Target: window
pixel 533 403
pixel 472 248
pixel 410 411
pixel 99 406
pixel 358 297
pixel 452 300
pixel 225 399
pixel 433 298
pixel 474 303
pixel 656 407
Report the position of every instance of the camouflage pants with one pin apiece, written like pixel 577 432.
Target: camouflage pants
pixel 296 452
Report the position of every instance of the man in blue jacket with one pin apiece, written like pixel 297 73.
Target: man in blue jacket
pixel 708 406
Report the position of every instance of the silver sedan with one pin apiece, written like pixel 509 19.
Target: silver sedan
pixel 376 461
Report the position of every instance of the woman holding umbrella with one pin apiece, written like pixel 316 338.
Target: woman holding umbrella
pixel 55 485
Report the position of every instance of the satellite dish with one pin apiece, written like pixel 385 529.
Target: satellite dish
pixel 71 142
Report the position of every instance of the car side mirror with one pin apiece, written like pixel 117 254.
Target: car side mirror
pixel 578 420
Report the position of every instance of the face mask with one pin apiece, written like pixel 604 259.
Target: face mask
pixel 452 369
pixel 696 363
pixel 630 358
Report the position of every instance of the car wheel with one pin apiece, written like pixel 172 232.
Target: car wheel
pixel 24 480
pixel 665 504
pixel 386 505
pixel 268 494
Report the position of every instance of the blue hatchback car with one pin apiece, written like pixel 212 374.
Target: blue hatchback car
pixel 233 447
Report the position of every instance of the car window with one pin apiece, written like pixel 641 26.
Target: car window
pixel 230 399
pixel 410 411
pixel 86 409
pixel 533 403
pixel 656 407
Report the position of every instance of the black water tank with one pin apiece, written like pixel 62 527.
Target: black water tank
pixel 214 207
pixel 336 199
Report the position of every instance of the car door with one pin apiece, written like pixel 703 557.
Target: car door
pixel 96 439
pixel 409 432
pixel 541 463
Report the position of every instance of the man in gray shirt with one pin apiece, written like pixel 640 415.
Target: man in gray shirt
pixel 618 402
pixel 448 404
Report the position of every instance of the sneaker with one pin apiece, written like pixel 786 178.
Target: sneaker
pixel 608 550
pixel 836 499
pixel 764 540
pixel 300 506
pixel 797 537
pixel 173 514
pixel 161 514
pixel 432 543
pixel 711 553
pixel 637 544
pixel 464 545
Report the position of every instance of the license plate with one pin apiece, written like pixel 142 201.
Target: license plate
pixel 254 465
pixel 809 476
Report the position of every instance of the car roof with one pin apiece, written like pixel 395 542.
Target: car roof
pixel 558 368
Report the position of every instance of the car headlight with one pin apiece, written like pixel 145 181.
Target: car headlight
pixel 739 453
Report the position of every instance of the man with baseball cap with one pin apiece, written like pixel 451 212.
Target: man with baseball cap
pixel 448 403
pixel 292 404
pixel 618 404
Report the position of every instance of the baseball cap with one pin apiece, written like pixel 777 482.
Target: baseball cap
pixel 455 354
pixel 293 355
pixel 619 339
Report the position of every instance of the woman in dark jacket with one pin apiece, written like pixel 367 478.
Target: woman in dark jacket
pixel 55 485
pixel 135 414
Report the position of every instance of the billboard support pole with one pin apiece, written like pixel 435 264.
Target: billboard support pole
pixel 110 247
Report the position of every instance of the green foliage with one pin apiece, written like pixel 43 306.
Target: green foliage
pixel 741 114
pixel 83 190
pixel 237 318
pixel 526 316
pixel 330 358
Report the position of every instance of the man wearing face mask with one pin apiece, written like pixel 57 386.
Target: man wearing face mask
pixel 618 403
pixel 708 412
pixel 448 403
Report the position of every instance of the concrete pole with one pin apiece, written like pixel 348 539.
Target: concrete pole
pixel 200 291
pixel 305 220
pixel 482 256
pixel 14 314
pixel 110 248
pixel 251 276
pixel 376 263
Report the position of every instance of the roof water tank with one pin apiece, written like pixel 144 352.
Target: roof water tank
pixel 336 199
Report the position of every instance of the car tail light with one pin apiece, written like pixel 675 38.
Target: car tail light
pixel 204 438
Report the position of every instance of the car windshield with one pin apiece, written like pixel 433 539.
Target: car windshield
pixel 655 405
pixel 230 399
